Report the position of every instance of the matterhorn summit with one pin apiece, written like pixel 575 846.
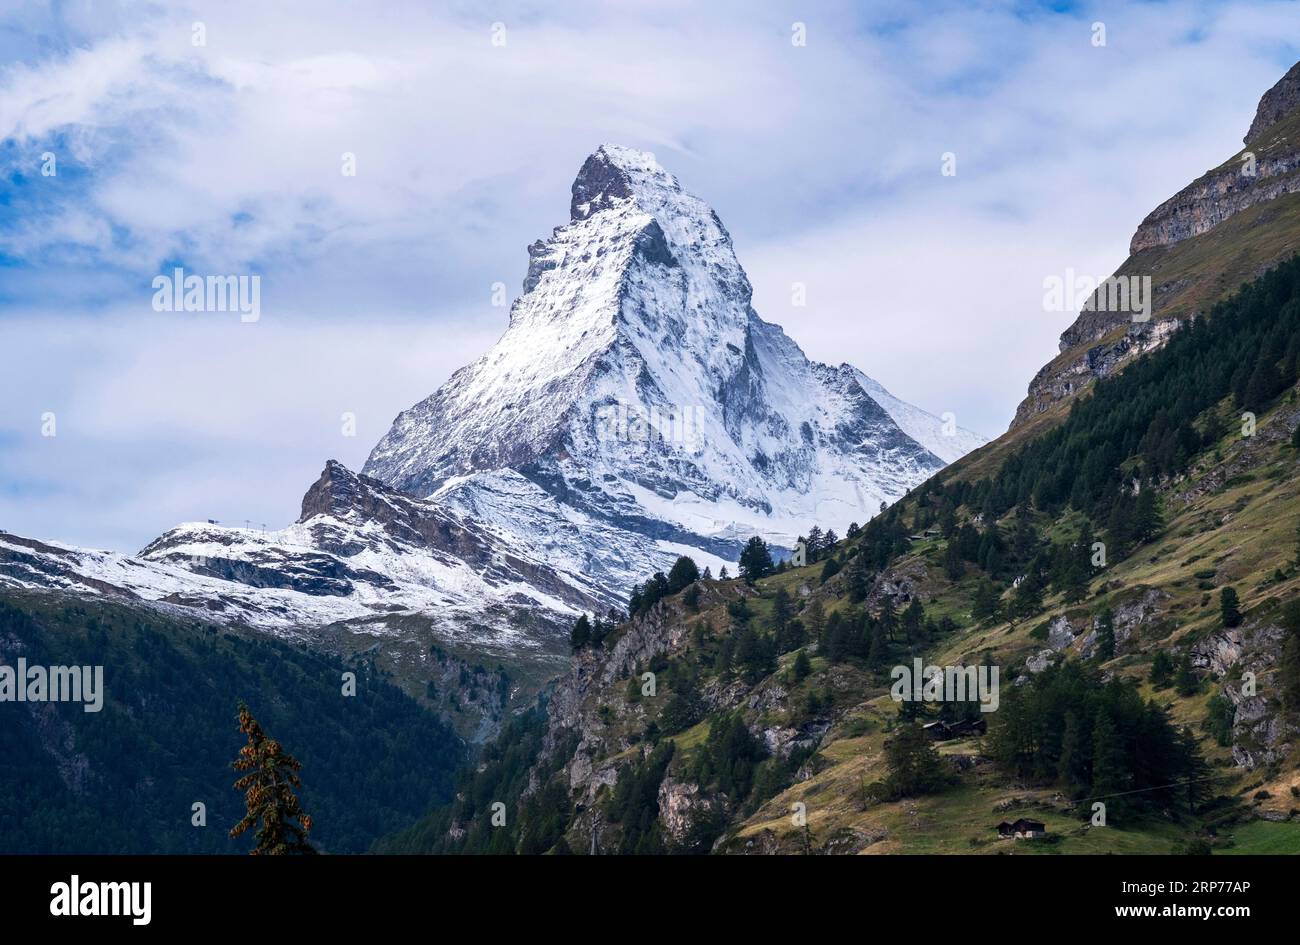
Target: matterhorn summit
pixel 636 390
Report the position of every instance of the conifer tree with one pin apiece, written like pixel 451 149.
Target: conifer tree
pixel 1109 767
pixel 580 635
pixel 1162 669
pixel 953 567
pixel 802 667
pixel 888 617
pixel 1185 681
pixel 987 602
pixel 1025 536
pixel 1072 768
pixel 914 622
pixel 755 560
pixel 1289 667
pixel 857 581
pixel 1263 385
pixel 1229 608
pixel 782 611
pixel 1105 649
pixel 914 766
pixel 268 786
pixel 815 543
pixel 878 651
pixel 1078 567
pixel 830 569
pixel 684 572
pixel 1146 515
pixel 1028 597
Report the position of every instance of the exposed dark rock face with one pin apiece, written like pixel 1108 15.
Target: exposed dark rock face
pixel 600 180
pixel 340 493
pixel 1091 357
pixel 1277 103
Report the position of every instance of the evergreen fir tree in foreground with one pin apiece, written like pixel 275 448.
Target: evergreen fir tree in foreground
pixel 269 792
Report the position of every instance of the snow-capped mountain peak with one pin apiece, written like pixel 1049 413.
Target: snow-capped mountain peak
pixel 636 386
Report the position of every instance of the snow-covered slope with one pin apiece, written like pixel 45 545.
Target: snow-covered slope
pixel 941 437
pixel 359 552
pixel 635 386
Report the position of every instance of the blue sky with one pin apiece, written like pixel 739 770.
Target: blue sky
pixel 823 160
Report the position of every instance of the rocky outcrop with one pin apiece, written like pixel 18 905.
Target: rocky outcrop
pixel 596 724
pixel 681 805
pixel 767 842
pixel 1240 656
pixel 1039 662
pixel 1269 168
pixel 1277 103
pixel 1222 193
pixel 1061 633
pixel 1185 285
pixel 1088 355
pixel 1141 610
pixel 1260 733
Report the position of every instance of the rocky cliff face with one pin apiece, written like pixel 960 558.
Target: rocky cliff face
pixel 1278 102
pixel 1228 226
pixel 1269 168
pixel 595 732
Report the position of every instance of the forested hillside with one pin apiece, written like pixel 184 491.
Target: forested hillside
pixel 124 779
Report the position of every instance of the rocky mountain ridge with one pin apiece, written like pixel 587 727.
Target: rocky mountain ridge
pixel 1227 227
pixel 359 551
